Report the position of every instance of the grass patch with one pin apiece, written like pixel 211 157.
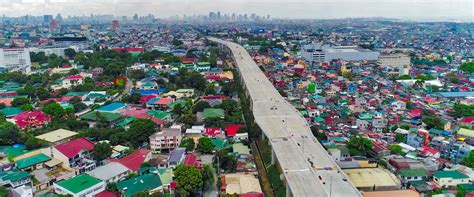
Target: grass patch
pixel 274 176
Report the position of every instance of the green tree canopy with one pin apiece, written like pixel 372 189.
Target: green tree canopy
pixel 140 130
pixel 101 151
pixel 359 146
pixel 469 160
pixel 205 145
pixel 54 109
pixel 188 143
pixel 396 149
pixel 19 101
pixel 433 122
pixel 467 67
pixel 188 180
pixel 9 133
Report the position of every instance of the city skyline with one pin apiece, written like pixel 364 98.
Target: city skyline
pixel 457 10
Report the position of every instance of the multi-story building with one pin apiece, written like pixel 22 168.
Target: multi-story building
pixel 452 149
pixel 167 139
pixel 66 42
pixel 322 53
pixel 15 59
pixel 395 61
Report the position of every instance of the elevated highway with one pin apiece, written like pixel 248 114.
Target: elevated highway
pixel 307 167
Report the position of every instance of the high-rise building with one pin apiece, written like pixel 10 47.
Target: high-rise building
pixel 135 17
pixel 15 59
pixel 115 24
pixel 218 16
pixel 47 19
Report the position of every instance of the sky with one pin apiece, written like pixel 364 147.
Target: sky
pixel 292 9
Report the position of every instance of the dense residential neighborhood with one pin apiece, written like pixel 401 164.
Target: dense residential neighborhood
pixel 148 109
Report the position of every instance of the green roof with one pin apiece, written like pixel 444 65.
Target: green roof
pixel 182 102
pixel 240 148
pixel 10 111
pixel 14 175
pixel 220 143
pixel 79 183
pixel 124 122
pixel 166 175
pixel 76 93
pixel 467 186
pixel 13 151
pixel 158 114
pixel 109 117
pixel 139 183
pixel 31 161
pixel 450 174
pixel 213 113
pixel 413 172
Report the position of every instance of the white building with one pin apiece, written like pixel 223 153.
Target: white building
pixel 450 178
pixel 49 51
pixel 111 172
pixel 323 53
pixel 167 139
pixel 15 59
pixel 395 61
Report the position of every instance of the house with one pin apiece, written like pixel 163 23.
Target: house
pixel 31 119
pixel 14 178
pixel 70 81
pixel 32 163
pixel 111 172
pixel 202 66
pixel 212 131
pixel 116 107
pixel 57 136
pixel 94 116
pixel 408 175
pixel 147 84
pixel 231 130
pixel 75 154
pixel 450 178
pixel 240 183
pixel 466 133
pixel 10 111
pixel 210 113
pixel 339 153
pixel 134 161
pixel 150 183
pixel 392 193
pixel 368 179
pixel 159 103
pixel 22 191
pixel 79 186
pixel 192 160
pixel 176 157
pixel 166 139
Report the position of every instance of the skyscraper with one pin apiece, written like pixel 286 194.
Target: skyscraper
pixel 115 24
pixel 47 19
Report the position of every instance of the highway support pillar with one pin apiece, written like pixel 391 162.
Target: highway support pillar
pixel 288 191
pixel 273 157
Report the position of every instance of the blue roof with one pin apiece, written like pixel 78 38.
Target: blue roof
pixel 454 94
pixel 153 100
pixel 176 155
pixel 149 92
pixel 111 107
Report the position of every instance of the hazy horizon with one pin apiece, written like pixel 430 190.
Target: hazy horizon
pixel 462 10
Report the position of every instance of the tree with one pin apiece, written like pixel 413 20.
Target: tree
pixel 34 143
pixel 433 122
pixel 396 149
pixel 9 133
pixel 319 135
pixel 18 101
pixel 461 191
pixel 177 42
pixel 70 53
pixel 177 109
pixel 101 151
pixel 188 119
pixel 26 107
pixel 467 67
pixel 188 143
pixel 462 110
pixel 112 187
pixel 359 145
pixel 4 191
pixel 200 106
pixel 188 180
pixel 140 130
pixel 205 145
pixel 135 98
pixel 137 74
pixel 400 137
pixel 469 160
pixel 208 174
pixel 55 110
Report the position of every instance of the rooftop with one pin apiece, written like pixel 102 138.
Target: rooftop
pixel 56 135
pixel 79 183
pixel 73 147
pixel 450 174
pixel 31 161
pixel 368 177
pixel 111 107
pixel 138 184
pixel 108 171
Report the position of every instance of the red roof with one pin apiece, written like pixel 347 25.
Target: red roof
pixel 192 160
pixel 106 193
pixel 31 118
pixel 134 160
pixel 253 194
pixel 468 120
pixel 74 77
pixel 72 148
pixel 129 50
pixel 212 131
pixel 158 121
pixel 232 129
pixel 146 98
